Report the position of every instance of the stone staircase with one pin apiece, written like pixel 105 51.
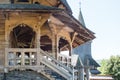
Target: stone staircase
pixel 23 75
pixel 48 69
pixel 52 75
pixel 55 68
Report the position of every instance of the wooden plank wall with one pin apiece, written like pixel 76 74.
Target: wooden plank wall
pixel 4 1
pixel 2 38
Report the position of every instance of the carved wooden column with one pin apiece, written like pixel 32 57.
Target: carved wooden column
pixel 55 40
pixel 55 45
pixel 81 73
pixel 87 70
pixel 70 49
pixel 7 32
pixel 72 37
pixel 38 45
pixel 42 19
pixel 22 58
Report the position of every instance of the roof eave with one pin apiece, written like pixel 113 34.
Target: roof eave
pixel 28 7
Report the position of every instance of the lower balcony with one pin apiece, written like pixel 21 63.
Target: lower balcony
pixel 29 58
pixel 21 58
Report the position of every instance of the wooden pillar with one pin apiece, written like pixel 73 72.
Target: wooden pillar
pixel 72 37
pixel 6 57
pixel 30 58
pixel 87 74
pixel 87 70
pixel 7 32
pixel 70 49
pixel 38 45
pixel 81 73
pixel 55 45
pixel 22 58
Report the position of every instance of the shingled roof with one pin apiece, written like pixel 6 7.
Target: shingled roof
pixel 92 61
pixel 80 18
pixel 94 71
pixel 65 3
pixel 84 52
pixel 28 7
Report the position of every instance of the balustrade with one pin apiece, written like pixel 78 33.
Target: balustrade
pixel 66 60
pixel 21 57
pixel 27 59
pixel 24 57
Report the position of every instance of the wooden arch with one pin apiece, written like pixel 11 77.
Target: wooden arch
pixel 22 36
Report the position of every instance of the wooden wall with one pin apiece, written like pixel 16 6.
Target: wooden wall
pixel 4 1
pixel 2 38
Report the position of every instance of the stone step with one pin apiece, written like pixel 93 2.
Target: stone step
pixel 47 75
pixel 54 75
pixel 23 75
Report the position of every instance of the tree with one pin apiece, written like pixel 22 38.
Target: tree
pixel 103 64
pixel 113 67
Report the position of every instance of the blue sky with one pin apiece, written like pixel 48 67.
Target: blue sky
pixel 103 18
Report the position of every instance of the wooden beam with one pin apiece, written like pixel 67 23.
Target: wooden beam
pixel 74 24
pixel 73 35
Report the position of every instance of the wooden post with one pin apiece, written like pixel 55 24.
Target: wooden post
pixel 38 45
pixel 72 37
pixel 81 73
pixel 6 57
pixel 30 58
pixel 7 32
pixel 22 58
pixel 87 70
pixel 70 49
pixel 55 44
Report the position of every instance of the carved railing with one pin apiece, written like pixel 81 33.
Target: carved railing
pixel 64 59
pixel 21 57
pixel 16 57
pixel 53 60
pixel 56 65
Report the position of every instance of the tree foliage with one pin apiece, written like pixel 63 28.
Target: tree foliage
pixel 103 64
pixel 111 67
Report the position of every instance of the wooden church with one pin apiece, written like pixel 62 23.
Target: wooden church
pixel 33 33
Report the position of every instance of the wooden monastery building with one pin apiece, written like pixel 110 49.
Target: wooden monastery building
pixel 33 33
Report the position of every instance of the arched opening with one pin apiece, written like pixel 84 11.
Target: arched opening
pixel 64 52
pixel 22 36
pixel 63 44
pixel 46 43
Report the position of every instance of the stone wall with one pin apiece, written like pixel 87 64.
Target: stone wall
pixel 22 75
